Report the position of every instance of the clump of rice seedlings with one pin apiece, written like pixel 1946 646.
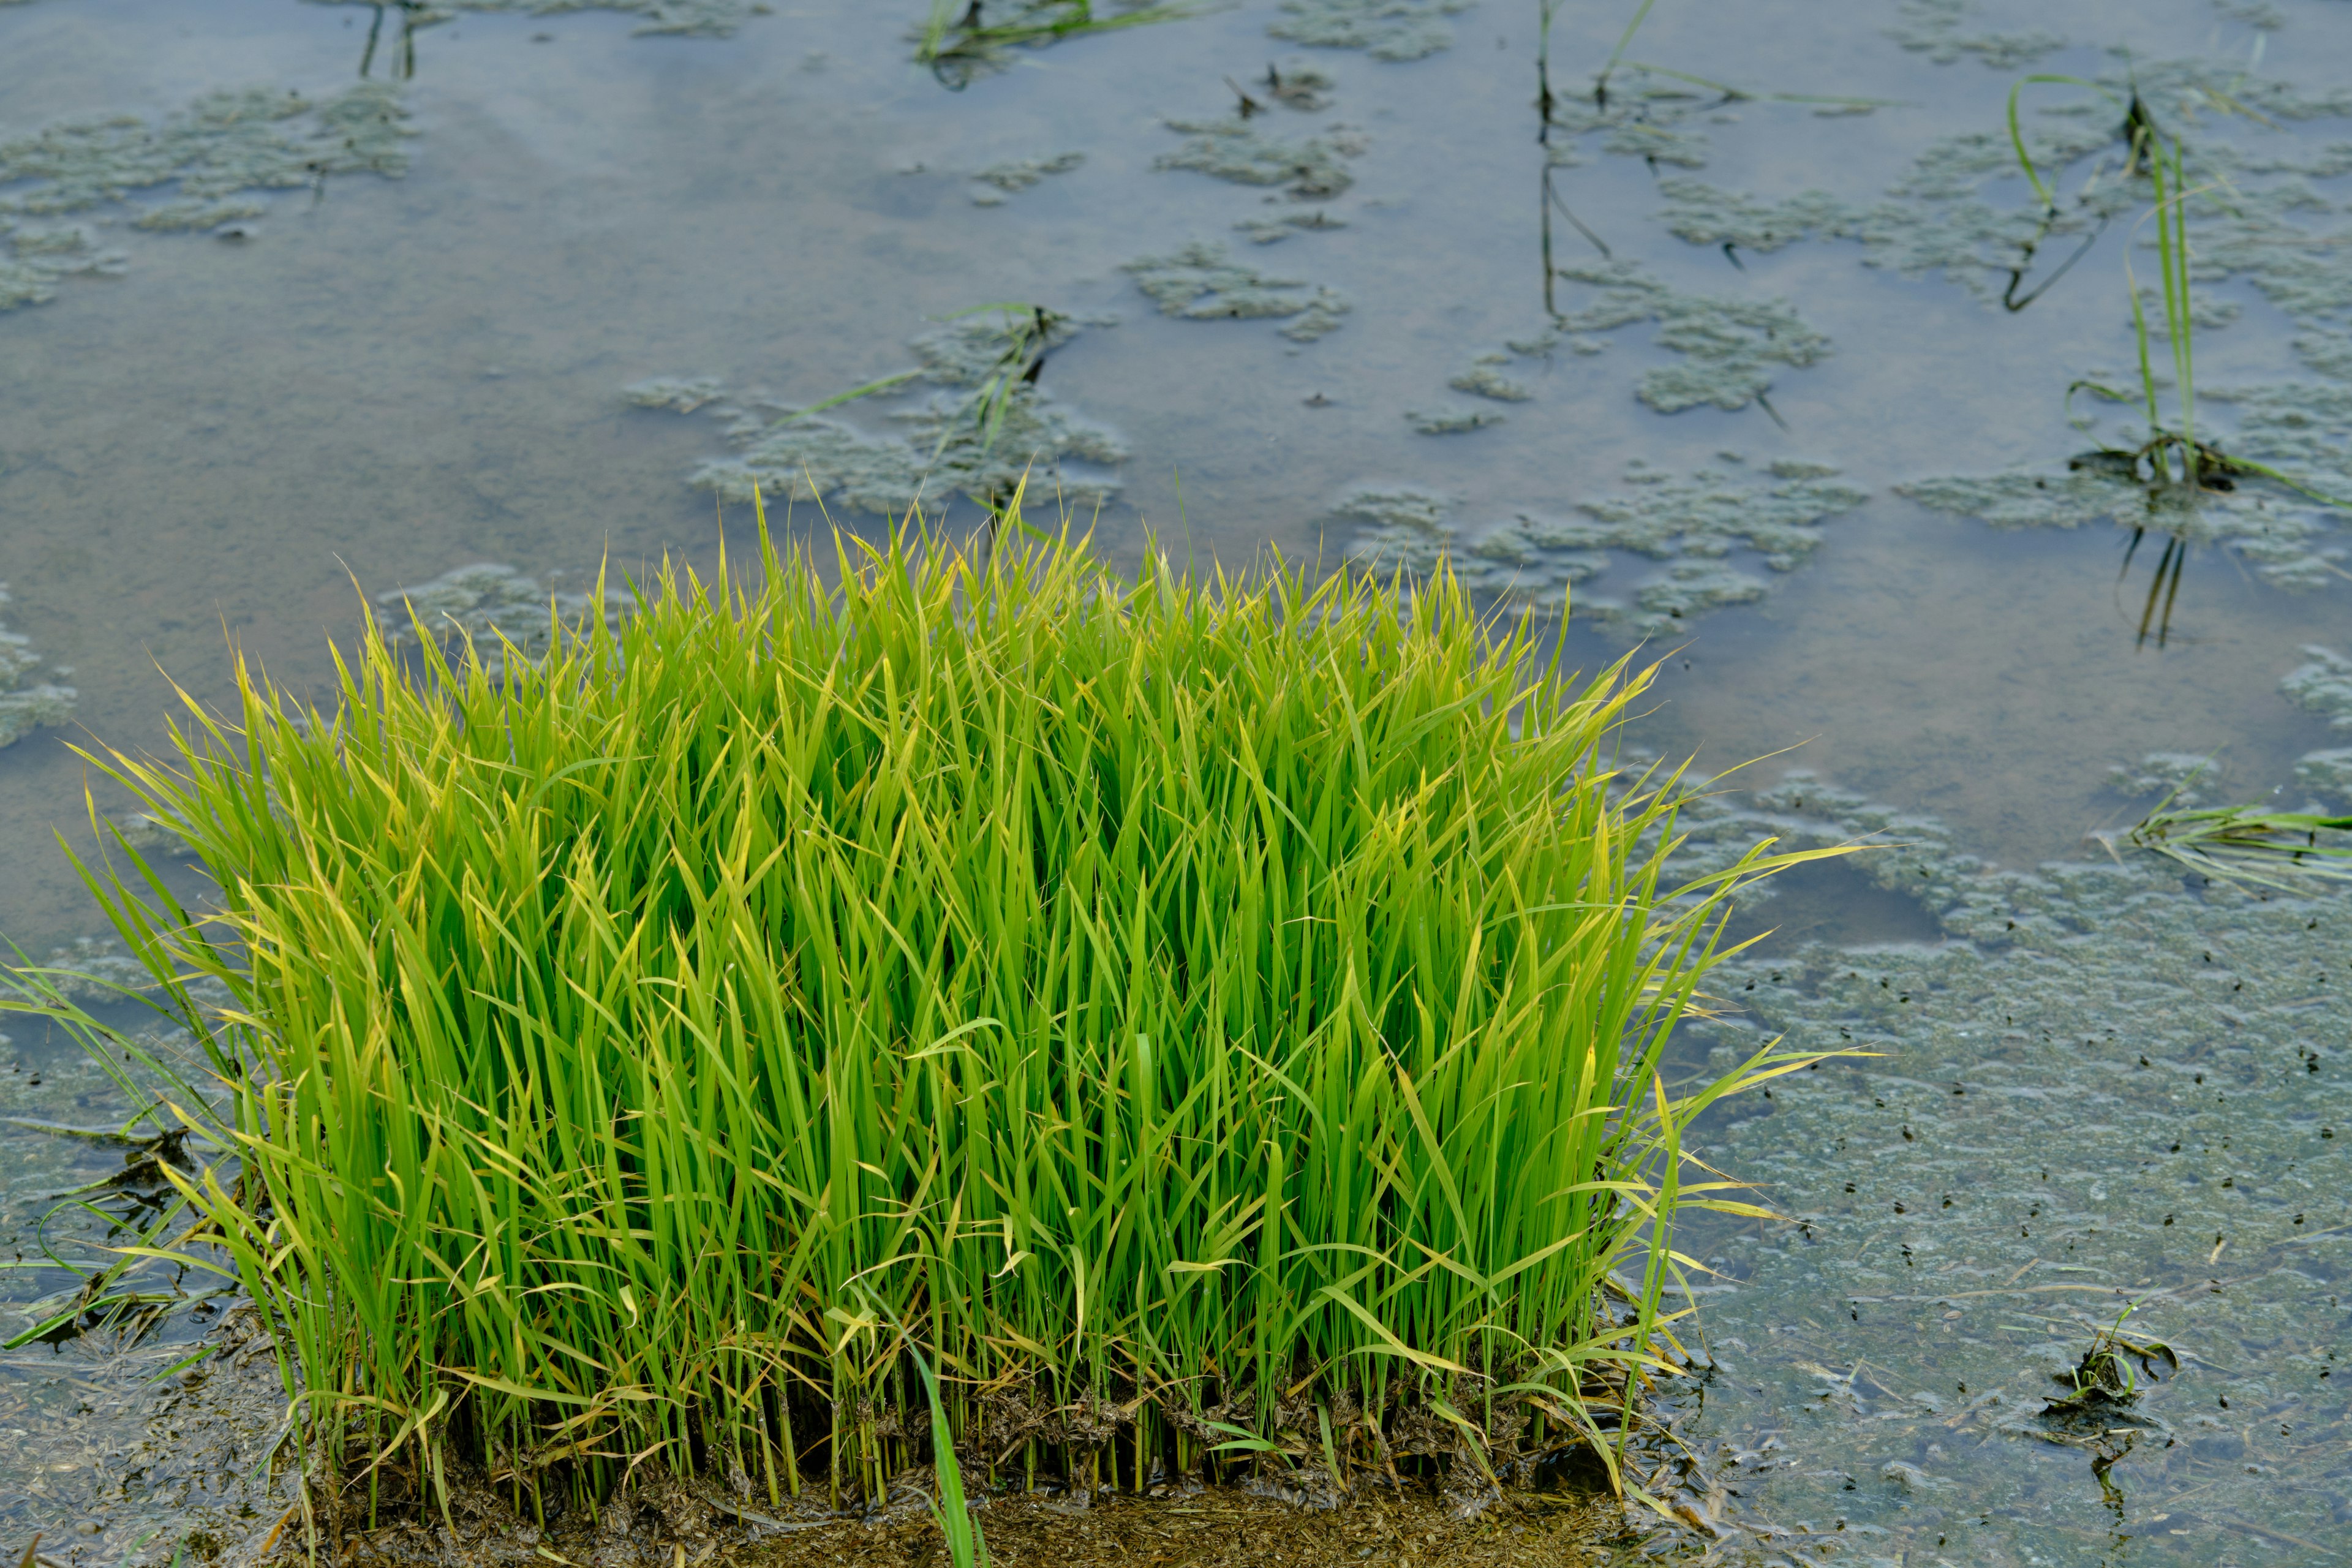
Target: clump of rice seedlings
pixel 962 38
pixel 1207 1023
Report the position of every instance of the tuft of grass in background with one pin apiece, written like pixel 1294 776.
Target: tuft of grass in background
pixel 1199 1022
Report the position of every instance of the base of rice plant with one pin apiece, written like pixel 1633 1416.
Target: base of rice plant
pixel 1215 1023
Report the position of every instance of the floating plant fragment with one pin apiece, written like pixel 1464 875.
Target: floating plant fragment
pixel 965 39
pixel 1313 168
pixel 1006 180
pixel 223 144
pixel 2293 851
pixel 1201 282
pixel 1386 30
pixel 989 427
pixel 1933 28
pixel 1727 345
pixel 27 702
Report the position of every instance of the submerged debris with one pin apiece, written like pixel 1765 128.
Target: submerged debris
pixel 1201 282
pixel 1387 29
pixel 991 425
pixel 1006 180
pixel 1728 346
pixel 221 146
pixel 1531 562
pixel 28 700
pixel 1933 28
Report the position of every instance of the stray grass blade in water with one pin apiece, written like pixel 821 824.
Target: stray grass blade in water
pixel 2283 851
pixel 1200 1001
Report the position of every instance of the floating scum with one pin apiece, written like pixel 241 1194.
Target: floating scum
pixel 1216 1020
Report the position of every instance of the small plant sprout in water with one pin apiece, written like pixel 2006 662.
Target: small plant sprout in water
pixel 2107 1373
pixel 2170 460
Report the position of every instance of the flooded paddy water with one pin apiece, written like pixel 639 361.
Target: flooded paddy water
pixel 1722 362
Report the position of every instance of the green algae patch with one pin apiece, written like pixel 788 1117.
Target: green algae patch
pixel 28 698
pixel 1654 117
pixel 221 146
pixel 2289 541
pixel 1002 182
pixel 1275 230
pixel 1312 168
pixel 1200 281
pixel 1452 421
pixel 2322 684
pixel 2182 778
pixel 1385 29
pixel 1729 346
pixel 1117 992
pixel 1939 29
pixel 1686 524
pixel 2326 773
pixel 1485 379
pixel 987 424
pixel 495 610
